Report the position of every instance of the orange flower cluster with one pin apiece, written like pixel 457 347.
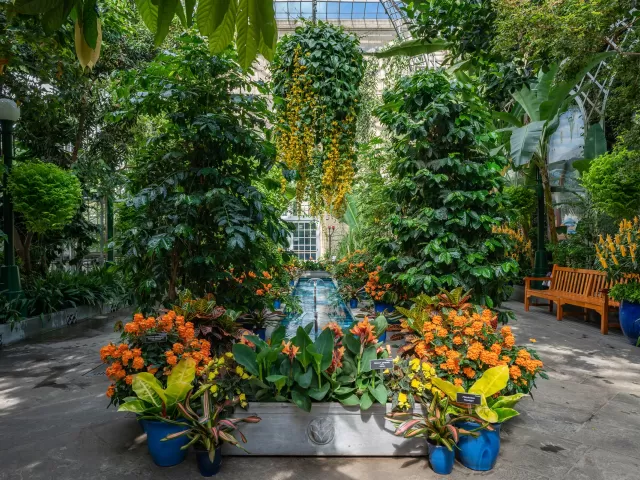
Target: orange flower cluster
pixel 290 350
pixel 135 354
pixel 338 349
pixel 462 344
pixel 373 286
pixel 364 331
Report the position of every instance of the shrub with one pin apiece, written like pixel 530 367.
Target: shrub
pixel 613 180
pixel 45 194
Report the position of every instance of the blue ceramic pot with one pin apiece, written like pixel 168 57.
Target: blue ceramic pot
pixel 630 320
pixel 165 454
pixel 441 459
pixel 207 467
pixel 261 332
pixel 277 304
pixel 383 337
pixel 353 303
pixel 292 283
pixel 381 307
pixel 481 452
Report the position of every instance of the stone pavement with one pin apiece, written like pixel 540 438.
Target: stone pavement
pixel 581 424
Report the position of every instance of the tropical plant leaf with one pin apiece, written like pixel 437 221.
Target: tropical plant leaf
pixel 148 389
pixel 505 414
pixel 525 142
pixel 529 102
pixel 180 381
pixel 324 346
pixel 246 357
pixel 149 13
pixel 380 393
pixel 492 381
pixel 135 406
pixel 448 388
pixel 302 341
pixel 301 399
pixel 411 48
pixel 366 400
pixel 53 19
pixel 595 142
pixel 508 401
pixel 90 23
pixel 319 393
pixel 487 414
pixel 166 12
pixel 248 33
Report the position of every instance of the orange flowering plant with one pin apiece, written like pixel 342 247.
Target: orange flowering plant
pixel 153 345
pixel 461 343
pixel 380 288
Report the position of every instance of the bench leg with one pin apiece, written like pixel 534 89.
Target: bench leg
pixel 526 302
pixel 550 306
pixel 559 311
pixel 604 322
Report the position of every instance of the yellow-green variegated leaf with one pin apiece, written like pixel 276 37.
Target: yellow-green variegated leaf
pixel 135 406
pixel 148 389
pixel 505 414
pixel 492 381
pixel 507 402
pixel 448 388
pixel 180 382
pixel 149 13
pixel 486 414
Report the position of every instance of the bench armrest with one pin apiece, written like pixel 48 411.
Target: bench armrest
pixel 528 280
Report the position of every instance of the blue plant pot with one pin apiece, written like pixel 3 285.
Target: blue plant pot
pixel 481 452
pixel 292 283
pixel 165 454
pixel 383 337
pixel 207 467
pixel 441 459
pixel 353 303
pixel 381 307
pixel 277 304
pixel 261 332
pixel 630 320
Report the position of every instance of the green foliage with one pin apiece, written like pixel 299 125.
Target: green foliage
pixel 193 208
pixel 447 187
pixel 626 291
pixel 551 31
pixel 46 195
pixel 523 205
pixel 613 181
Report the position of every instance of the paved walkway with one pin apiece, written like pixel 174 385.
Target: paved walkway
pixel 582 423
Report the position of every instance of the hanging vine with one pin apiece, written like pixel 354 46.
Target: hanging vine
pixel 316 74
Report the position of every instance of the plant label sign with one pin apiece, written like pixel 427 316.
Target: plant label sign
pixel 381 364
pixel 469 398
pixel 155 337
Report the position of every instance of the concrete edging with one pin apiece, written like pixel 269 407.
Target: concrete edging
pixel 33 326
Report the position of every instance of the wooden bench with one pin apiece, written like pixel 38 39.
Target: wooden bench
pixel 575 286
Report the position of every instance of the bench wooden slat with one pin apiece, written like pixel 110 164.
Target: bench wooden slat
pixel 576 286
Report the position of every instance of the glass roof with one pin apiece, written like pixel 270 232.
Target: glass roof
pixel 376 22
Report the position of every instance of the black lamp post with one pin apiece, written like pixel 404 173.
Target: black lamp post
pixel 330 231
pixel 9 273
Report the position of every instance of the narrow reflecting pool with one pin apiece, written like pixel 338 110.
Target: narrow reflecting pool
pixel 327 307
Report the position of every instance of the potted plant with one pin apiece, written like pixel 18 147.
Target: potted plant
pixel 210 430
pixel 628 294
pixel 481 452
pixel 349 293
pixel 618 257
pixel 259 320
pixel 381 293
pixel 439 428
pixel 158 410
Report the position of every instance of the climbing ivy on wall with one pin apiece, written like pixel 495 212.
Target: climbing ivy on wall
pixel 316 75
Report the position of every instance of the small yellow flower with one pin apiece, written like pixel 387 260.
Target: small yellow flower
pixel 214 389
pixel 239 370
pixel 229 355
pixel 532 340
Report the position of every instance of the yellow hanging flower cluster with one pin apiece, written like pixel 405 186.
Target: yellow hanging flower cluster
pixel 619 253
pixel 522 248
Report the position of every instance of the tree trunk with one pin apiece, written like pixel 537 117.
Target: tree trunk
pixel 548 202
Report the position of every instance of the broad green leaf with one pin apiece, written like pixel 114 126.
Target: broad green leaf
pixel 508 401
pixel 319 393
pixel 301 399
pixel 492 381
pixel 525 142
pixel 148 389
pixel 278 335
pixel 181 15
pixel 505 414
pixel 370 353
pixel 90 23
pixel 529 103
pixel 366 400
pixel 302 341
pixel 353 344
pixel 545 82
pixel 411 48
pixel 349 400
pixel 507 117
pixel 304 378
pixel 189 7
pixel 448 388
pixel 265 17
pixel 36 7
pixel 380 325
pixel 595 143
pixel 379 393
pixel 54 18
pixel 246 357
pixel 324 346
pixel 166 12
pixel 135 406
pixel 278 380
pixel 247 33
pixel 149 13
pixel 486 414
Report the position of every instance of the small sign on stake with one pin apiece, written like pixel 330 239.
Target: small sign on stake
pixel 381 364
pixel 155 337
pixel 469 398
